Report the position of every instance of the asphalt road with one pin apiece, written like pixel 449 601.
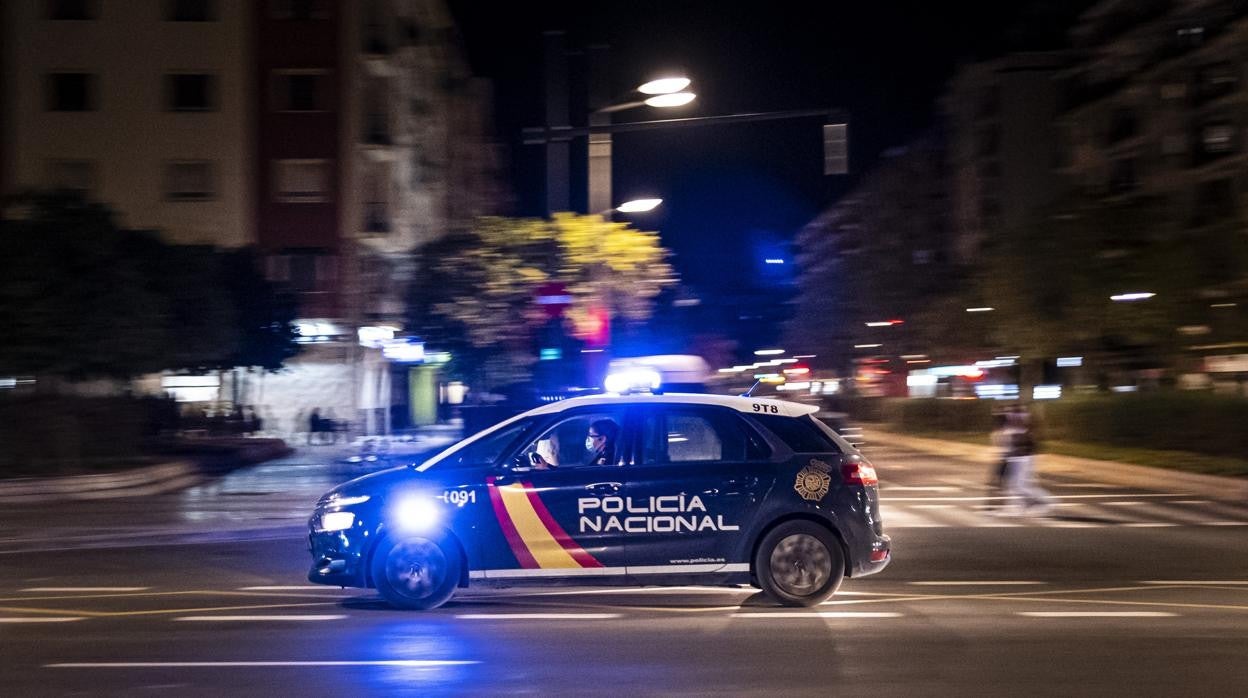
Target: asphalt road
pixel 1120 591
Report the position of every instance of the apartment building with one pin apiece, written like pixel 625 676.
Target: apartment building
pixel 336 136
pixel 1155 106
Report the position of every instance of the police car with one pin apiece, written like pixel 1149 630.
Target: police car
pixel 614 489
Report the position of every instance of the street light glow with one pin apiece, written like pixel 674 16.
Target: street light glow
pixel 983 309
pixel 663 86
pixel 884 323
pixel 638 205
pixel 1135 296
pixel 674 99
pixel 768 352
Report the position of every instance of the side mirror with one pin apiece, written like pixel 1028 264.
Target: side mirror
pixel 519 464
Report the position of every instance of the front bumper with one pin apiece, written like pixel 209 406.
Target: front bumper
pixel 338 558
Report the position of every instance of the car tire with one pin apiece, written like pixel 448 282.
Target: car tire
pixel 416 573
pixel 799 563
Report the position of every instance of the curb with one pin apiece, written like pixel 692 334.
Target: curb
pixel 1114 472
pixel 136 482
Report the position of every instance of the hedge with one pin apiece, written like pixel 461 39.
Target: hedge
pixel 51 432
pixel 1195 422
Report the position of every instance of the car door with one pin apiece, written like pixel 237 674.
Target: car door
pixel 549 517
pixel 701 473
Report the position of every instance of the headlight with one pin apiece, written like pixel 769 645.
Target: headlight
pixel 416 513
pixel 346 501
pixel 336 521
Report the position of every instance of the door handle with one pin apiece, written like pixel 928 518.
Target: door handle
pixel 605 487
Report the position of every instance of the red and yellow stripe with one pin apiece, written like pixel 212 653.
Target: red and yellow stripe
pixel 537 540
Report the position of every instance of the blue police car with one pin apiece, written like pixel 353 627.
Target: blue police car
pixel 614 489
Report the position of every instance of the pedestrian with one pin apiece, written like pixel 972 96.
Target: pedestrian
pixel 314 425
pixel 1020 476
pixel 1002 439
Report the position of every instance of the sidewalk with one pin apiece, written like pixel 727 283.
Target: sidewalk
pixel 184 464
pixel 1112 472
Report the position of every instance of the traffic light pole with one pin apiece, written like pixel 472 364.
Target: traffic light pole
pixel 600 128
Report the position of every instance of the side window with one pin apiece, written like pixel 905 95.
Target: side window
pixel 586 438
pixel 802 434
pixel 697 435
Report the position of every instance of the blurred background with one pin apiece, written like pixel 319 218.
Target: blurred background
pixel 342 220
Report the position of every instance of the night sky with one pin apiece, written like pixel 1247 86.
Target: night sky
pixel 732 193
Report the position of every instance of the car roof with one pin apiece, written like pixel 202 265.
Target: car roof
pixel 739 403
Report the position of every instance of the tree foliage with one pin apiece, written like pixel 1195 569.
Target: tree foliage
pixel 475 292
pixel 81 298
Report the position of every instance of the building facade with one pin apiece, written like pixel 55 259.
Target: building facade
pixel 1002 142
pixel 1155 106
pixel 335 136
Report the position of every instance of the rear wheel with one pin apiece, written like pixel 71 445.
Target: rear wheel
pixel 416 573
pixel 799 563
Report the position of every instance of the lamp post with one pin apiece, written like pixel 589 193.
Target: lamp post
pixel 662 93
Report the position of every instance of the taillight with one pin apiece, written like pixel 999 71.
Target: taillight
pixel 859 472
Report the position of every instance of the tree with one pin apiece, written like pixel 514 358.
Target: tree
pixel 81 298
pixel 475 292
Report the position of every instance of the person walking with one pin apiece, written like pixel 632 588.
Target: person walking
pixel 1020 476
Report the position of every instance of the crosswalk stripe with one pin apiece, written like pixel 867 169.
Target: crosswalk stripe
pixel 1121 512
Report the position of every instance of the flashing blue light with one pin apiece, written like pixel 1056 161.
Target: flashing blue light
pixel 550 354
pixel 774 260
pixel 416 512
pixel 632 380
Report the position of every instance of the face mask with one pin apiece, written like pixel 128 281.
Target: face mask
pixel 589 444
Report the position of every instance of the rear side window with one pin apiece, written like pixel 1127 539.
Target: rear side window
pixel 697 435
pixel 800 433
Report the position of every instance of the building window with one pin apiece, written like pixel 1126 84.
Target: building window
pixel 190 11
pixel 299 9
pixel 189 181
pixel 1174 144
pixel 1215 201
pixel 301 181
pixel 191 92
pixel 1218 137
pixel 1123 177
pixel 71 92
pixel 77 176
pixel 300 90
pixel 71 9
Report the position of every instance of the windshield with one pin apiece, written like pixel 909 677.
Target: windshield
pixel 484 448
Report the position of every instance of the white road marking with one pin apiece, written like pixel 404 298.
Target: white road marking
pixel 976 583
pixel 1147 524
pixel 74 589
pixel 301 617
pixel 537 616
pixel 1123 504
pixel 1192 501
pixel 902 488
pixel 39 619
pixel 293 587
pixel 1198 582
pixel 215 665
pixel 816 614
pixel 934 506
pixel 1088 486
pixel 1228 523
pixel 1052 496
pixel 640 590
pixel 1097 614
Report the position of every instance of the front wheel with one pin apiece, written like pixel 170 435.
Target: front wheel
pixel 416 573
pixel 799 563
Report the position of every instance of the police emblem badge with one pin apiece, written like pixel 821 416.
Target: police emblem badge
pixel 813 480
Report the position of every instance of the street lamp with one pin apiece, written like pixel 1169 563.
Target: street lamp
pixel 638 205
pixel 666 92
pixel 664 86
